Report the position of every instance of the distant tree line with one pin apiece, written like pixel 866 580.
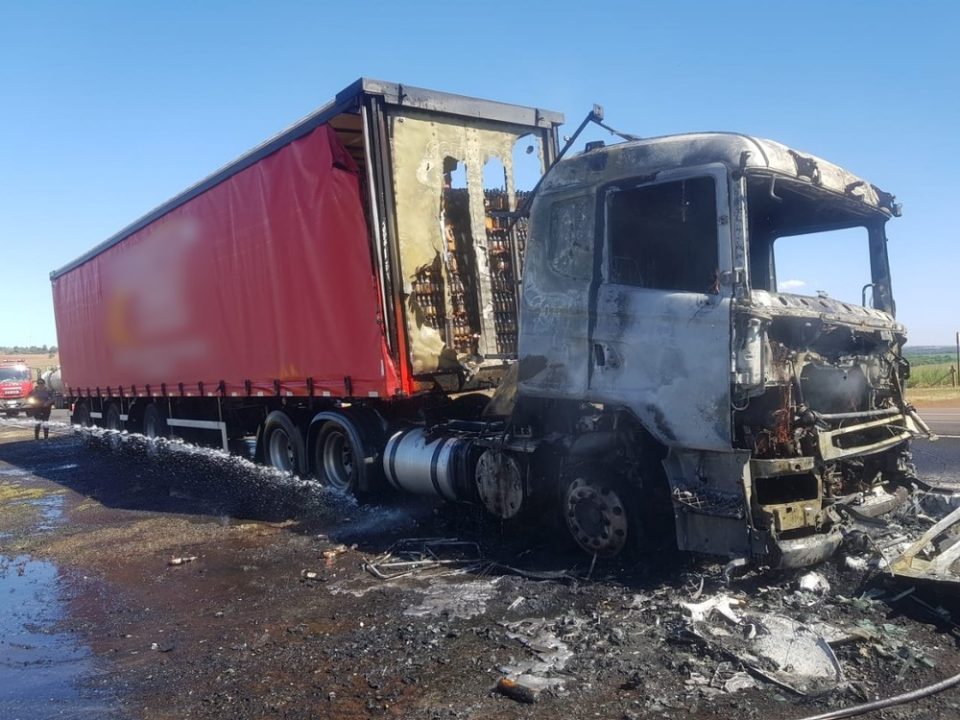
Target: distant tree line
pixel 50 350
pixel 937 359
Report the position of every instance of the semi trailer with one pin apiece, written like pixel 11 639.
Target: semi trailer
pixel 416 290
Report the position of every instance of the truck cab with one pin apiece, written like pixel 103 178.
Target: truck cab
pixel 651 301
pixel 16 383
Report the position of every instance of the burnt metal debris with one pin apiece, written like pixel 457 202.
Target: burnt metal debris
pixel 799 634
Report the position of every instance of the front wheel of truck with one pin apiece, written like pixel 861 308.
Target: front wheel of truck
pixel 601 516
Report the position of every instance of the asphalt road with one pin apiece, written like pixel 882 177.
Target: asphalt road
pixel 943 421
pixel 162 582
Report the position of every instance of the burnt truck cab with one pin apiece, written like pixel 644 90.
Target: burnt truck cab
pixel 650 299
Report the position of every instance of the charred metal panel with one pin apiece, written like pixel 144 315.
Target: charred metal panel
pixel 665 356
pixel 425 148
pixel 825 308
pixel 711 501
pixel 935 556
pixel 554 313
pixel 739 153
pixel 665 353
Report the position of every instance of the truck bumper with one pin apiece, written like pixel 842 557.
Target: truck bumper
pixel 806 551
pixel 13 405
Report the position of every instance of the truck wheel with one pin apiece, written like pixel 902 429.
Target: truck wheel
pixel 112 421
pixel 338 459
pixel 283 446
pixel 154 423
pixel 598 515
pixel 81 416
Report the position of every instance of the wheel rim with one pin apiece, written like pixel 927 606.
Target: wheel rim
pixel 336 459
pixel 281 451
pixel 596 516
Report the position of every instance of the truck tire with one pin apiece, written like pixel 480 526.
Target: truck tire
pixel 155 422
pixel 112 421
pixel 81 416
pixel 339 461
pixel 283 446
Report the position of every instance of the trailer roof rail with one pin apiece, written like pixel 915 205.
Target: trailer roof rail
pixel 348 99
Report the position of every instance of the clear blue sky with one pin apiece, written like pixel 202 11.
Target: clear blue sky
pixel 109 108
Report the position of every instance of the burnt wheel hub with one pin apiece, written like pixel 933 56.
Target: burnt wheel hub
pixel 596 516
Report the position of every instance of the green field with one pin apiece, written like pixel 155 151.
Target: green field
pixel 929 374
pixel 930 365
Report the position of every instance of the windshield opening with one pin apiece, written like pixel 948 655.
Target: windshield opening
pixel 17 373
pixel 801 266
pixel 806 241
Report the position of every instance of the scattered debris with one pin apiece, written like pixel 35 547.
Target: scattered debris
pixel 739 681
pixel 935 555
pixel 525 680
pixel 734 567
pixel 775 647
pixel 723 604
pixel 181 560
pixel 524 688
pixel 814 582
pixel 857 563
pixel 436 557
pixel 516 603
pixel 889 702
pixel 420 555
pixel 454 600
pixel 338 550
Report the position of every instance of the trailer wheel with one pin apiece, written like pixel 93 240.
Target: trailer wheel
pixel 81 416
pixel 154 423
pixel 112 421
pixel 283 446
pixel 338 461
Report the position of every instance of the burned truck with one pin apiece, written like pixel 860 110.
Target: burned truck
pixel 655 342
pixel 372 297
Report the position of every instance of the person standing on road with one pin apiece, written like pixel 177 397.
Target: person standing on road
pixel 42 401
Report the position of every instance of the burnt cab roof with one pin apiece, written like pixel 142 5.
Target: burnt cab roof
pixel 639 158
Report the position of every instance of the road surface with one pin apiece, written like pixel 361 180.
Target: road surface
pixel 160 582
pixel 944 421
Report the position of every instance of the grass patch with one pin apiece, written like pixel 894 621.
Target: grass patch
pixel 929 375
pixel 13 492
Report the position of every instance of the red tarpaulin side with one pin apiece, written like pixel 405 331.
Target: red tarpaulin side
pixel 266 276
